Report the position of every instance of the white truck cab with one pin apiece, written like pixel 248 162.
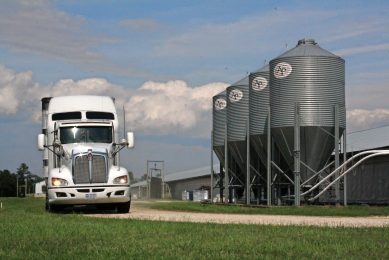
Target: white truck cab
pixel 81 146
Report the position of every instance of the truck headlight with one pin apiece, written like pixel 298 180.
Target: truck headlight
pixel 121 180
pixel 59 182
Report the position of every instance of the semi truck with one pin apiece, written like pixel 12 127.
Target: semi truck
pixel 81 160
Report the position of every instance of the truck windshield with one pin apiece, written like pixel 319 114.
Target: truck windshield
pixel 86 134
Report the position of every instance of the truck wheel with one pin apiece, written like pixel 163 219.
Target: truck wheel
pixel 47 206
pixel 124 207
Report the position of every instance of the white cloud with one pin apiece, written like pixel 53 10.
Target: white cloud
pixel 97 86
pixel 172 107
pixel 360 119
pixel 13 87
pixel 155 108
pixel 362 49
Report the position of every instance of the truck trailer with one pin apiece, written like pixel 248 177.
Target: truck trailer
pixel 81 162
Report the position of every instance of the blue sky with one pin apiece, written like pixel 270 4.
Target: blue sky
pixel 165 59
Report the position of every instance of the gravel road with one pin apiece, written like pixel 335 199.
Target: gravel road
pixel 139 212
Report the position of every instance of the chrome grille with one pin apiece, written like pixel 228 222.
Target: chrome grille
pixel 98 169
pixel 86 172
pixel 81 169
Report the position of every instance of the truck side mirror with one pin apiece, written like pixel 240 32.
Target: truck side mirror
pixel 41 142
pixel 130 140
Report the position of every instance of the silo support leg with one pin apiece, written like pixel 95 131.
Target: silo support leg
pixel 269 158
pixel 337 188
pixel 344 169
pixel 212 180
pixel 248 163
pixel 297 156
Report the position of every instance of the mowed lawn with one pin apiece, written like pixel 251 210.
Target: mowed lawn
pixel 27 231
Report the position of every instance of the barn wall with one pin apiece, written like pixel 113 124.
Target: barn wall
pixel 369 183
pixel 177 187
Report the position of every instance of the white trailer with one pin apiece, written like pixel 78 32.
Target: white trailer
pixel 80 145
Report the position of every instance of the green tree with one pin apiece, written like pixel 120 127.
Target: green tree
pixel 23 173
pixel 7 184
pixel 22 170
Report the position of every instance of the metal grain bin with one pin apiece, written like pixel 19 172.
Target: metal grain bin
pixel 238 110
pixel 314 79
pixel 237 119
pixel 219 117
pixel 259 102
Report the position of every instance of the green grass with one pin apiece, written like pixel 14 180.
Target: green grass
pixel 28 232
pixel 349 211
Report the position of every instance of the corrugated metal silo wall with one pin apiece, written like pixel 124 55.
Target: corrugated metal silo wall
pixel 317 84
pixel 219 117
pixel 259 102
pixel 237 119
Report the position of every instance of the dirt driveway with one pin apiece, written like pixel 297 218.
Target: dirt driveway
pixel 140 212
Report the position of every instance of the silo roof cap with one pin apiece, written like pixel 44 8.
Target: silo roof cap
pixel 307 48
pixel 306 41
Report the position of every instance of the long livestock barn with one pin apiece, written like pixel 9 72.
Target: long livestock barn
pixel 177 185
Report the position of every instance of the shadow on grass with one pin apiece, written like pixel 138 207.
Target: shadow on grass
pixel 86 209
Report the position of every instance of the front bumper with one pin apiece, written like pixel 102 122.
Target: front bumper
pixel 89 195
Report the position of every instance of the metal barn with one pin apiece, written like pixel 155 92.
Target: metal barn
pixel 190 180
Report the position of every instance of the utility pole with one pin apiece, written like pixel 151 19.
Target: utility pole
pixel 17 185
pixel 25 186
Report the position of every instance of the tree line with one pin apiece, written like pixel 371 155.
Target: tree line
pixel 13 184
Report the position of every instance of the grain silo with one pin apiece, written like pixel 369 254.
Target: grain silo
pixel 307 96
pixel 259 105
pixel 237 124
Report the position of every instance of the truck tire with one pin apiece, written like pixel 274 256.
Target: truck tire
pixel 123 208
pixel 47 206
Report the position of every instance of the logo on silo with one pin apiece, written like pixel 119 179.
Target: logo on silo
pixel 235 95
pixel 259 83
pixel 220 104
pixel 282 70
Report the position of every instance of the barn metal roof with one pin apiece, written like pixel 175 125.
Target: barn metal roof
pixel 368 139
pixel 188 174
